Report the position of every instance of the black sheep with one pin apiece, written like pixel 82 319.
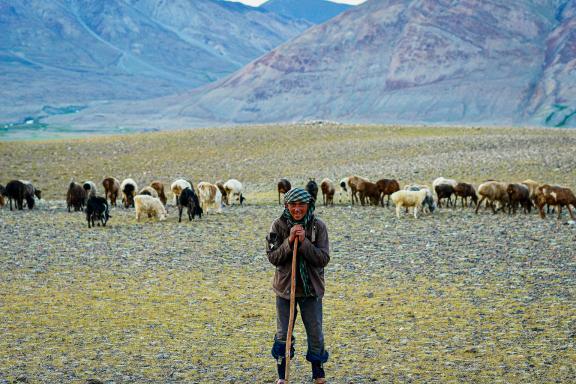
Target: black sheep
pixel 190 200
pixel 97 210
pixel 312 188
pixel 75 197
pixel 444 191
pixel 19 191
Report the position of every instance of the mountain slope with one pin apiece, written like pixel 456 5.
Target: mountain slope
pixel 314 11
pixel 77 51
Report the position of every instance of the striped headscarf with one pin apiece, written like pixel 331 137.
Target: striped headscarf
pixel 299 195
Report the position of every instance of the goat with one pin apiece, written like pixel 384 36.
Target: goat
pixel 111 189
pixel 518 194
pixel 444 191
pixel 20 190
pixel 367 189
pixel 233 188
pixel 352 182
pixel 557 196
pixel 312 188
pixel 210 196
pixel 76 197
pixel 97 210
pixel 464 191
pixel 159 187
pixel 189 200
pixel 493 191
pixel 128 188
pixel 2 192
pixel 283 187
pixel 90 188
pixel 328 190
pixel 152 206
pixel 149 191
pixel 220 185
pixel 415 199
pixel 387 187
pixel 178 186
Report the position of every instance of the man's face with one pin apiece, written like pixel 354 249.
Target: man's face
pixel 298 210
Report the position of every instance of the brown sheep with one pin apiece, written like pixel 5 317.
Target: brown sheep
pixel 518 194
pixel 76 197
pixel 555 195
pixel 464 191
pixel 444 191
pixel 159 187
pixel 111 189
pixel 352 182
pixel 328 191
pixel 493 191
pixel 532 187
pixel 220 185
pixel 283 187
pixel 387 187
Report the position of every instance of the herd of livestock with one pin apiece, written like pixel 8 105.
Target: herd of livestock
pixel 151 200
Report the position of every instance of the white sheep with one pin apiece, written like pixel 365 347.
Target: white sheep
pixel 148 205
pixel 210 196
pixel 415 199
pixel 178 186
pixel 148 191
pixel 233 188
pixel 128 187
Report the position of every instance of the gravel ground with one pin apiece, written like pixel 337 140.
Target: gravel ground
pixel 447 298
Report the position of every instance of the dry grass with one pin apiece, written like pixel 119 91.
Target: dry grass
pixel 454 297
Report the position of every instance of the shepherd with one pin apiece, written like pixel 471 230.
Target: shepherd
pixel 298 229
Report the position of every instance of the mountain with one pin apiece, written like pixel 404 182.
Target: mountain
pixel 314 11
pixel 392 61
pixel 79 51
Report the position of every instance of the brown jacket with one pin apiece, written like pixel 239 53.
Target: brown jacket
pixel 314 249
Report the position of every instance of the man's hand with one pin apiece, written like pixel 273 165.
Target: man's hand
pixel 297 231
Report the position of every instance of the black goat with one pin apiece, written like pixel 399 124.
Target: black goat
pixel 312 188
pixel 19 191
pixel 97 210
pixel 76 196
pixel 190 200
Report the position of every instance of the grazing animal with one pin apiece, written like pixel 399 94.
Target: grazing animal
pixel 493 192
pixel 189 200
pixel 415 199
pixel 128 188
pixel 210 197
pixel 151 206
pixel 111 189
pixel 20 190
pixel 328 191
pixel 556 196
pixel 159 187
pixel 2 200
pixel 532 187
pixel 464 191
pixel 387 187
pixel 76 197
pixel 97 211
pixel 518 194
pixel 178 186
pixel 283 187
pixel 352 183
pixel 444 191
pixel 148 191
pixel 312 188
pixel 367 189
pixel 233 188
pixel 90 188
pixel 220 185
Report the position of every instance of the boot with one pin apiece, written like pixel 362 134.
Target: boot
pixel 318 373
pixel 281 367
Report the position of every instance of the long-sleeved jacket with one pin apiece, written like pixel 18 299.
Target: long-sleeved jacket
pixel 314 249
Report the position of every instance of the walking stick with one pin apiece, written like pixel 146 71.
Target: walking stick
pixel 292 305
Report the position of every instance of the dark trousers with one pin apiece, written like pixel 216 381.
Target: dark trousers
pixel 311 314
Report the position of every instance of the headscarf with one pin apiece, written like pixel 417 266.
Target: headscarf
pixel 299 195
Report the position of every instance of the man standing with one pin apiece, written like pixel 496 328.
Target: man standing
pixel 298 221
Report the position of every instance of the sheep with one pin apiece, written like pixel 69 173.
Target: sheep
pixel 233 188
pixel 90 189
pixel 152 206
pixel 464 191
pixel 387 187
pixel 429 195
pixel 352 182
pixel 159 187
pixel 20 190
pixel 97 209
pixel 442 181
pixel 532 187
pixel 444 191
pixel 149 191
pixel 367 189
pixel 493 191
pixel 312 188
pixel 555 195
pixel 283 187
pixel 210 196
pixel 189 200
pixel 415 199
pixel 178 186
pixel 128 188
pixel 111 189
pixel 76 197
pixel 518 194
pixel 328 190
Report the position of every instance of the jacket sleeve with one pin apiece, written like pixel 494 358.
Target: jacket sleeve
pixel 316 255
pixel 279 252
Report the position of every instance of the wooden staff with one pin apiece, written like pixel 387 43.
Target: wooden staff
pixel 292 305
